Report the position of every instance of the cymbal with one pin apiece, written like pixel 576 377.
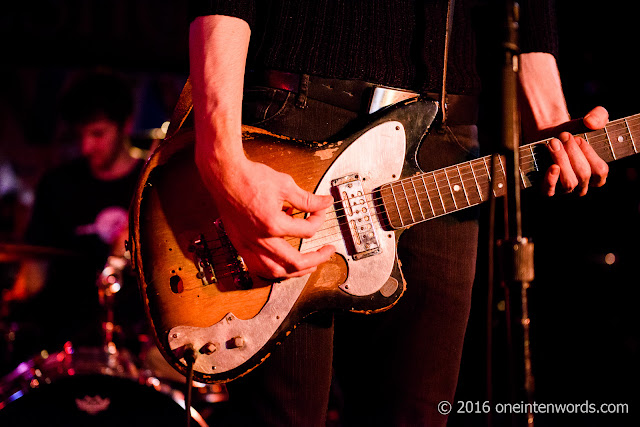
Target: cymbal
pixel 14 252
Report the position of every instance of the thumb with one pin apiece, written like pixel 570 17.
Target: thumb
pixel 596 118
pixel 306 201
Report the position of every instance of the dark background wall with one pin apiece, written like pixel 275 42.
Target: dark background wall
pixel 585 335
pixel 585 330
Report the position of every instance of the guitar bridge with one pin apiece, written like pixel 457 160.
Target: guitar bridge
pixel 226 258
pixel 357 221
pixel 203 261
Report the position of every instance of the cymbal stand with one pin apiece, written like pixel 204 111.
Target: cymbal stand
pixel 109 283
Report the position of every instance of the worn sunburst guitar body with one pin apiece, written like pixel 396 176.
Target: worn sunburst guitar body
pixel 197 292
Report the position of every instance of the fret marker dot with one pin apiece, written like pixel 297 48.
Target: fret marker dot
pixel 621 138
pixel 500 185
pixel 456 187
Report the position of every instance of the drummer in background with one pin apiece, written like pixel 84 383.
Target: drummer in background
pixel 81 206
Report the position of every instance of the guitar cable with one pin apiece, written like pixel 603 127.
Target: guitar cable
pixel 190 359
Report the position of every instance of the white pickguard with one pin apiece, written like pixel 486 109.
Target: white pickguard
pixel 378 157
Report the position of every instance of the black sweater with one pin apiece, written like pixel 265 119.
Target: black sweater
pixel 396 43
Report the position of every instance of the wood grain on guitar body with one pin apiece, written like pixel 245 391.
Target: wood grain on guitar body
pixel 196 289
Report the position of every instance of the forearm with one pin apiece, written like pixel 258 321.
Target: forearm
pixel 217 51
pixel 544 102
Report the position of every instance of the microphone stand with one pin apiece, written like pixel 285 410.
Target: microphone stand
pixel 515 251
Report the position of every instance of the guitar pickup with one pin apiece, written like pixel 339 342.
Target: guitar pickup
pixel 357 222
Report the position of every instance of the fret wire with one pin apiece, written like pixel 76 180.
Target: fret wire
pixel 393 193
pixel 464 190
pixel 438 190
pixel 633 142
pixel 435 180
pixel 631 123
pixel 489 175
pixel 535 164
pixel 599 147
pixel 428 197
pixel 417 198
pixel 475 179
pixel 524 184
pixel 408 202
pixel 609 141
pixel 455 205
pixel 502 168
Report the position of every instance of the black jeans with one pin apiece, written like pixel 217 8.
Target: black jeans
pixel 390 368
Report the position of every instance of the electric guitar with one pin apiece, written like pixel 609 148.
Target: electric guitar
pixel 197 292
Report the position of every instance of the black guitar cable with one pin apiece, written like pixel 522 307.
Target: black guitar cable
pixel 190 359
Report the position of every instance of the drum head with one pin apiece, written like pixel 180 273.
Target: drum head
pixel 94 400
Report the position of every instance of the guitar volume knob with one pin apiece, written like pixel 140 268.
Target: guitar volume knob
pixel 236 342
pixel 208 348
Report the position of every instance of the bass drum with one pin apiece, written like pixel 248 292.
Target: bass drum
pixel 52 391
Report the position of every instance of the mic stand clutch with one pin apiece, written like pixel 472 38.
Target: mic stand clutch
pixel 515 251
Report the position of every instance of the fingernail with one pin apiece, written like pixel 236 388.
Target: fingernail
pixel 565 136
pixel 554 145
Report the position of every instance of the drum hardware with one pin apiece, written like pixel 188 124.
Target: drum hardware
pixel 109 283
pixel 92 369
pixel 86 386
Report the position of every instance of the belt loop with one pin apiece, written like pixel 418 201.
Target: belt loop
pixel 301 101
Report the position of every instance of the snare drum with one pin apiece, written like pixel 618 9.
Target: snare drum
pixel 86 388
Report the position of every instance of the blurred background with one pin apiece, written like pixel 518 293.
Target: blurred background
pixel 585 335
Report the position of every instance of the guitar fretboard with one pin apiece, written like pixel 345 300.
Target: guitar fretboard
pixel 428 195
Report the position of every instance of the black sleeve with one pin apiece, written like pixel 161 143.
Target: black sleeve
pixel 538 26
pixel 243 9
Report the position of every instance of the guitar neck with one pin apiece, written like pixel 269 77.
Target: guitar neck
pixel 428 195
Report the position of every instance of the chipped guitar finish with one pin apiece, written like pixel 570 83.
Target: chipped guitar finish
pixel 197 292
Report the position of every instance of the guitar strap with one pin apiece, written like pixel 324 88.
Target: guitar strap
pixel 181 111
pixel 447 37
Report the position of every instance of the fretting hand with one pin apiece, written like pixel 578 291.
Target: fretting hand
pixel 576 164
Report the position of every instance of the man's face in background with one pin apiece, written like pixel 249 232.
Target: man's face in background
pixel 102 141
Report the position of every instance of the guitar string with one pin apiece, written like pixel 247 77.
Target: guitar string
pixel 469 203
pixel 335 220
pixel 468 179
pixel 528 163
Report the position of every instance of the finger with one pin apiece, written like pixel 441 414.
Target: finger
pixel 282 260
pixel 294 261
pixel 551 180
pixel 305 201
pixel 596 118
pixel 304 228
pixel 579 164
pixel 567 179
pixel 599 168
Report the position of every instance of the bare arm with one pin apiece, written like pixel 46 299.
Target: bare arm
pixel 250 196
pixel 576 163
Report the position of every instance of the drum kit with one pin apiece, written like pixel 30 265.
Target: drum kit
pixel 101 385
